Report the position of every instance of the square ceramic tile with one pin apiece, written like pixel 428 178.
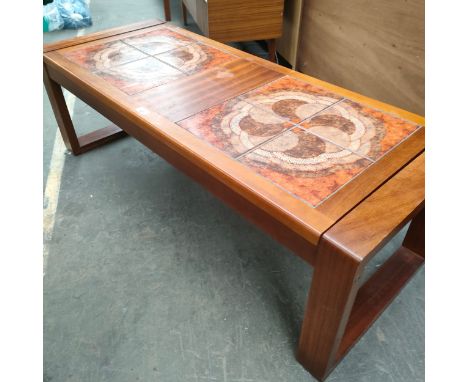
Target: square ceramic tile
pixel 291 99
pixel 158 41
pixel 140 75
pixel 305 165
pixel 195 57
pixel 103 56
pixel 235 126
pixel 364 130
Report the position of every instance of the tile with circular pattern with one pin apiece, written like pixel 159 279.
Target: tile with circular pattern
pixel 291 99
pixel 140 75
pixel 305 165
pixel 195 57
pixel 235 126
pixel 103 56
pixel 366 131
pixel 158 41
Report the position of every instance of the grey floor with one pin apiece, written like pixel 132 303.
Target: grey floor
pixel 150 278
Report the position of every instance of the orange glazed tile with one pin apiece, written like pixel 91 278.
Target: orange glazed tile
pixel 158 41
pixel 292 99
pixel 364 130
pixel 235 126
pixel 305 165
pixel 195 57
pixel 103 56
pixel 140 75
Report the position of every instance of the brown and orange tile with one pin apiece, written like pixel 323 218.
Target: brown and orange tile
pixel 158 41
pixel 291 98
pixel 305 165
pixel 140 75
pixel 195 57
pixel 103 56
pixel 366 131
pixel 235 126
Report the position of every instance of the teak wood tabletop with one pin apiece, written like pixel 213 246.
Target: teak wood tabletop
pixel 330 174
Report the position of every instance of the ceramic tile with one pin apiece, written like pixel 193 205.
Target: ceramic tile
pixel 364 130
pixel 292 99
pixel 103 56
pixel 235 126
pixel 305 165
pixel 140 75
pixel 158 41
pixel 195 57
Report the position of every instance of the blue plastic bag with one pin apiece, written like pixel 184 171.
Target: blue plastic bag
pixel 51 19
pixel 75 13
pixel 68 14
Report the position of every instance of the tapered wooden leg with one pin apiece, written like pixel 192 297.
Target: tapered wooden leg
pixel 272 50
pixel 59 106
pixel 331 298
pixel 184 13
pixel 77 145
pixel 167 10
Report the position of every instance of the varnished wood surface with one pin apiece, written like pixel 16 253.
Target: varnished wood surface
pixel 100 137
pixel 244 20
pixel 353 95
pixel 338 310
pixel 237 20
pixel 329 304
pixel 152 130
pixel 377 293
pixel 375 48
pixel 348 228
pixel 113 32
pixel 370 225
pixel 187 96
pixel 59 107
pixel 199 91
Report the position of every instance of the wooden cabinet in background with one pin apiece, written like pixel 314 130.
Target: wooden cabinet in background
pixel 238 20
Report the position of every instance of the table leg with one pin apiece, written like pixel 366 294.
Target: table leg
pixel 59 106
pixel 330 300
pixel 77 145
pixel 184 13
pixel 339 309
pixel 167 10
pixel 272 50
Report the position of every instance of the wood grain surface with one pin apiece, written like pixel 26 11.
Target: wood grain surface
pixel 374 48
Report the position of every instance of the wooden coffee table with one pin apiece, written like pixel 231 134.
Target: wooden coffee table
pixel 329 173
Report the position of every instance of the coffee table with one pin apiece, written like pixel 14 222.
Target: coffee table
pixel 329 173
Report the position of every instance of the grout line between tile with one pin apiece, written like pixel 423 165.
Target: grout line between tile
pixel 336 144
pixel 284 131
pixel 153 55
pixel 344 184
pixel 372 164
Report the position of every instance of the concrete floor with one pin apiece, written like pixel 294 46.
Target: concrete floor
pixel 150 278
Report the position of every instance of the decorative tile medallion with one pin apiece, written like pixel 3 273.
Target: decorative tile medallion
pixel 305 165
pixel 140 75
pixel 158 41
pixel 292 99
pixel 364 130
pixel 103 56
pixel 235 126
pixel 195 57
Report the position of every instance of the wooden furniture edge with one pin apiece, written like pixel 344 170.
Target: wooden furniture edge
pixel 339 311
pixel 327 213
pixel 353 96
pixel 308 225
pixel 100 35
